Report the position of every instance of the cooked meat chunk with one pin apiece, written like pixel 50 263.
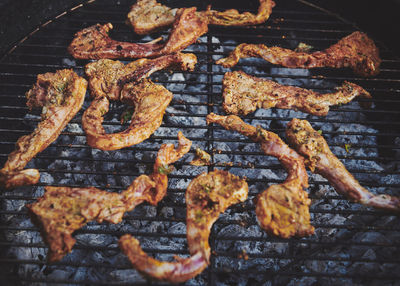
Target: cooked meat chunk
pixel 232 17
pixel 207 196
pixel 62 210
pixel 282 209
pixel 95 43
pixel 148 16
pixel 108 77
pixel 321 160
pixel 61 95
pixel 243 94
pixel 150 101
pixel 202 158
pixel 356 51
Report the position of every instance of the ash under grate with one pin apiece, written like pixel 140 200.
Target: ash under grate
pixel 353 245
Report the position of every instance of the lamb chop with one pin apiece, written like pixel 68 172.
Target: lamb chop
pixel 61 95
pixel 207 196
pixel 356 51
pixel 95 43
pixel 319 159
pixel 243 94
pixel 63 210
pixel 108 77
pixel 147 16
pixel 282 209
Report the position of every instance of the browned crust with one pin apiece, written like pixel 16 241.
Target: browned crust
pixel 356 51
pixel 244 94
pixel 61 94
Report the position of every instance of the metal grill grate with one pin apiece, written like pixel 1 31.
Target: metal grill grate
pixel 353 245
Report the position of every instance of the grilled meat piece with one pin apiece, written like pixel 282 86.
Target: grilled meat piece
pixel 147 16
pixel 108 77
pixel 282 209
pixel 232 17
pixel 94 42
pixel 356 51
pixel 243 94
pixel 62 210
pixel 320 160
pixel 61 95
pixel 207 196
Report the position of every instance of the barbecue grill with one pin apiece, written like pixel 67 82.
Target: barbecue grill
pixel 353 244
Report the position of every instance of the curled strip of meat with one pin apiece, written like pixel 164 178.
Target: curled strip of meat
pixel 108 77
pixel 321 160
pixel 282 209
pixel 147 16
pixel 243 94
pixel 63 210
pixel 356 51
pixel 94 42
pixel 207 196
pixel 232 17
pixel 150 101
pixel 61 95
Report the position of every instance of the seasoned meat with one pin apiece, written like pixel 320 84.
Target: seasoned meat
pixel 95 43
pixel 232 17
pixel 150 101
pixel 61 95
pixel 356 51
pixel 243 94
pixel 147 16
pixel 282 209
pixel 321 160
pixel 62 210
pixel 207 196
pixel 108 77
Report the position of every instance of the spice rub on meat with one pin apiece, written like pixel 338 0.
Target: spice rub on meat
pixel 107 80
pixel 63 210
pixel 356 51
pixel 147 16
pixel 321 160
pixel 207 196
pixel 282 209
pixel 95 43
pixel 61 95
pixel 243 94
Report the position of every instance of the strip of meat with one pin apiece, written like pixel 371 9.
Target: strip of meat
pixel 61 95
pixel 62 210
pixel 207 196
pixel 108 77
pixel 320 160
pixel 147 16
pixel 243 94
pixel 95 43
pixel 356 51
pixel 282 209
pixel 232 17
